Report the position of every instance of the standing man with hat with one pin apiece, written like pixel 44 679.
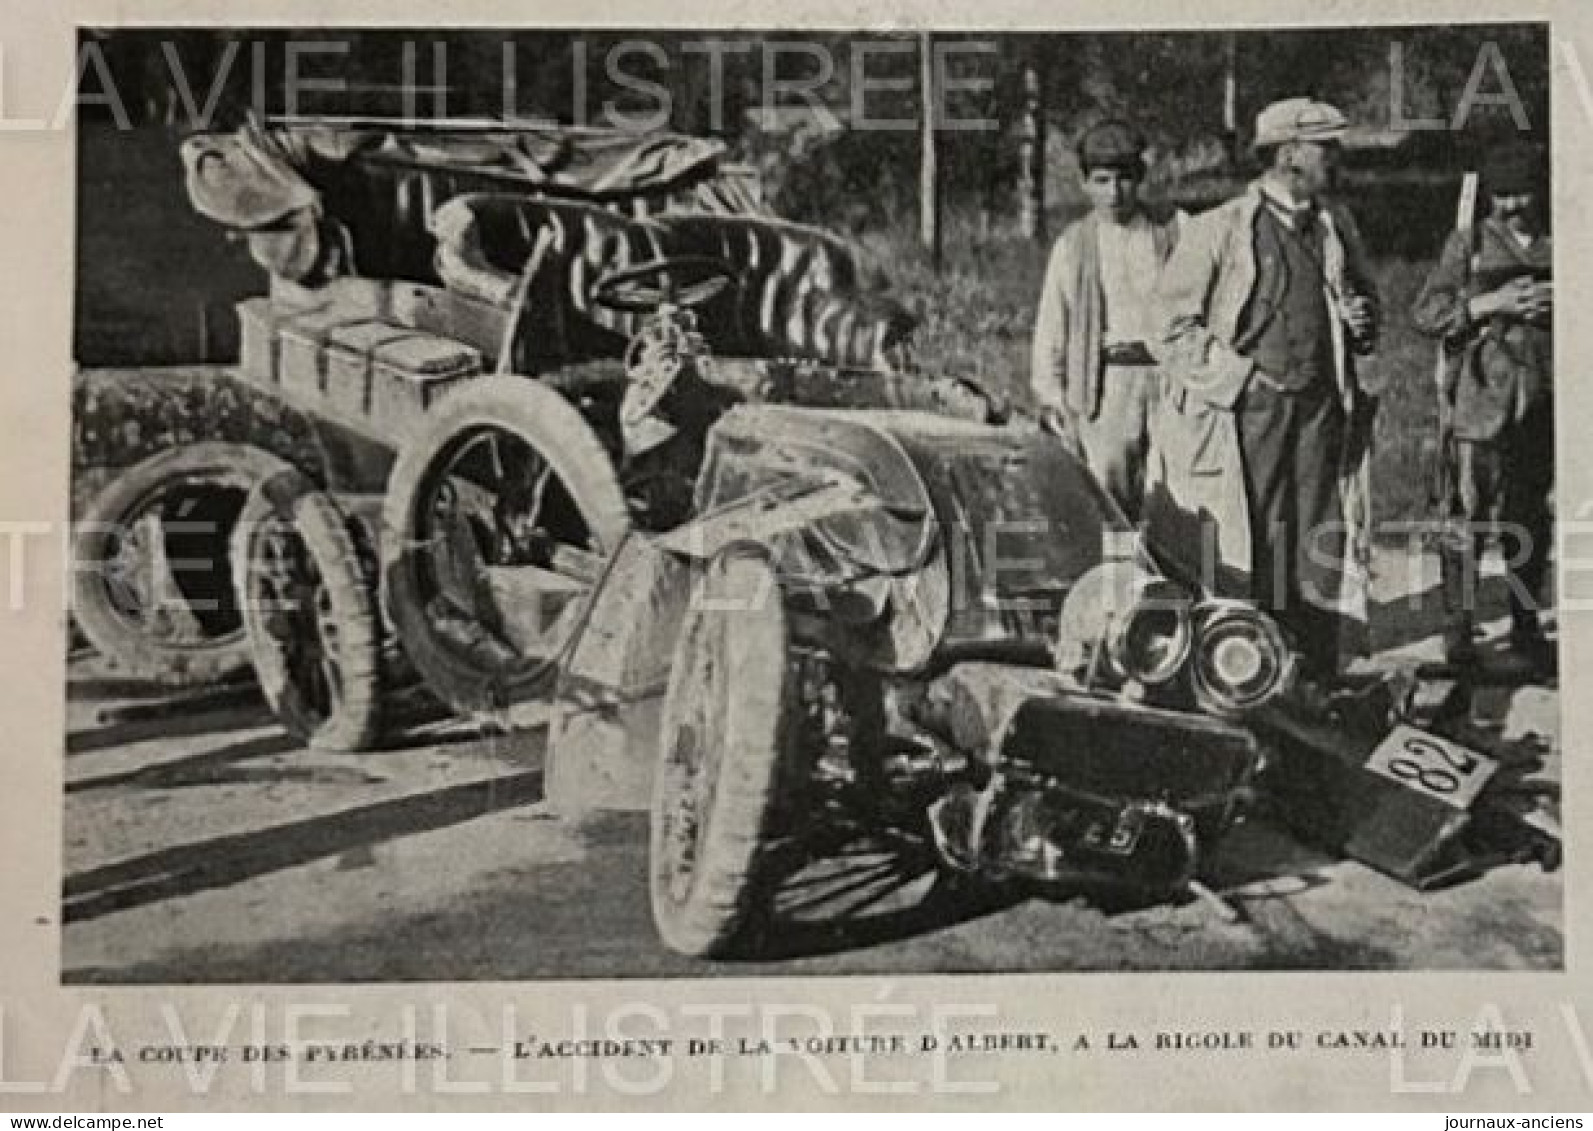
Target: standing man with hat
pixel 1093 373
pixel 1261 451
pixel 1490 301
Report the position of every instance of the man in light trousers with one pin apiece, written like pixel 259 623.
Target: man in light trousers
pixel 1093 372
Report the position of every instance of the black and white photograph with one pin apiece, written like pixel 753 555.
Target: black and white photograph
pixel 560 504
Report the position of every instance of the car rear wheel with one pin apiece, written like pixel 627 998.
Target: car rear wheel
pixel 498 523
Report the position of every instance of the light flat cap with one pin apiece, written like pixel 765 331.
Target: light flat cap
pixel 1299 119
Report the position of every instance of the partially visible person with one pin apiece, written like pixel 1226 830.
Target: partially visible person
pixel 1093 373
pixel 1490 301
pixel 1261 470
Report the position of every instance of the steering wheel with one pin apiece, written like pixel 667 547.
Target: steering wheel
pixel 684 280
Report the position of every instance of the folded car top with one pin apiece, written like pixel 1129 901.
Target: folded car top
pixel 254 176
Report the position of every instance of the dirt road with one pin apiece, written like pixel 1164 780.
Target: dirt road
pixel 208 848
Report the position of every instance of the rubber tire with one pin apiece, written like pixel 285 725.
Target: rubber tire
pixel 238 466
pixel 323 528
pixel 559 433
pixel 758 727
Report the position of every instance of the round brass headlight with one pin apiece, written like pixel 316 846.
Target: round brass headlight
pixel 1241 659
pixel 1150 640
pixel 1086 615
pixel 1124 624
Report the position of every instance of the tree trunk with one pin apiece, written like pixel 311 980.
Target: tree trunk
pixel 929 166
pixel 1230 98
pixel 1031 159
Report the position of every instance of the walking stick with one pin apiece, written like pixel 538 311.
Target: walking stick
pixel 1444 458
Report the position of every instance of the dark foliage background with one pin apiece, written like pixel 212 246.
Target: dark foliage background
pixel 156 284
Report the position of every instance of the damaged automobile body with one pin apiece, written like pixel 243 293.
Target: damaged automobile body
pixel 945 621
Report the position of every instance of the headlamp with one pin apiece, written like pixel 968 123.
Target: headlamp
pixel 1241 660
pixel 1124 624
pixel 1149 641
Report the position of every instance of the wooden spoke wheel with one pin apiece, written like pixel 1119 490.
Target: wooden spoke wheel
pixel 498 522
pixel 308 602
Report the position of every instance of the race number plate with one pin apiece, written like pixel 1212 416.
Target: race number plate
pixel 1437 767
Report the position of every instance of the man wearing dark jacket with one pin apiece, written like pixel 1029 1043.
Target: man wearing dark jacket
pixel 1266 303
pixel 1490 301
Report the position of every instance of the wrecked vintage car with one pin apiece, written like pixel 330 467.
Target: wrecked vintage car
pixel 934 623
pixel 570 385
pixel 504 345
pixel 600 446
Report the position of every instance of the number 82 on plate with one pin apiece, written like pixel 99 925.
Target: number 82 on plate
pixel 1426 763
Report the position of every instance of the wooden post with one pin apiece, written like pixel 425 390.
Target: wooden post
pixel 1031 160
pixel 928 169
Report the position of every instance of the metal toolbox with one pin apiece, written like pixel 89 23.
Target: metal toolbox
pixel 409 374
pixel 351 364
pixel 301 352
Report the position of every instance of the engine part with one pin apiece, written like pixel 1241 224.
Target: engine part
pixel 1056 837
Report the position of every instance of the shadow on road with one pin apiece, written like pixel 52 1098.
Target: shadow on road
pixel 172 724
pixel 1420 614
pixel 185 869
pixel 214 767
pixel 852 891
